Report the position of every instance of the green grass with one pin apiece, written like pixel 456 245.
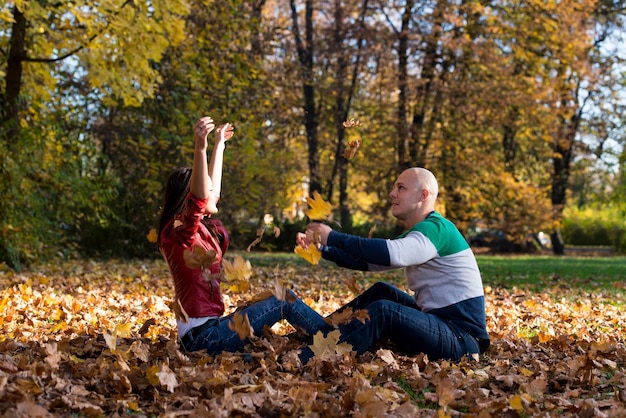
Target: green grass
pixel 540 271
pixel 532 272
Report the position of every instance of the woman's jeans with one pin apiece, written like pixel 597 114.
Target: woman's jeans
pixel 219 337
pixel 394 316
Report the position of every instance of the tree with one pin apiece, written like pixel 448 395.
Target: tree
pixel 45 41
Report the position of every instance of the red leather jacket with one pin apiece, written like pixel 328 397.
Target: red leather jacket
pixel 199 296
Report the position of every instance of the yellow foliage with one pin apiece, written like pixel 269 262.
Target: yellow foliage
pixel 310 254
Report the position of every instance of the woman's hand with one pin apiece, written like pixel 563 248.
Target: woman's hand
pixel 201 130
pixel 224 133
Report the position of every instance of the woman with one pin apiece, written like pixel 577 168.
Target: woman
pixel 191 195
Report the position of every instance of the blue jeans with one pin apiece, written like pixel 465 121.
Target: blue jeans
pixel 219 337
pixel 395 317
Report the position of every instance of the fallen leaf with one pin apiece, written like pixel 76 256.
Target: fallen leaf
pixel 323 346
pixel 167 378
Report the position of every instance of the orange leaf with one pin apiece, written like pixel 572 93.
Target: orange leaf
pixel 152 235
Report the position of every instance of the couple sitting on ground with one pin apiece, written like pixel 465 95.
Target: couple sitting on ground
pixel 445 318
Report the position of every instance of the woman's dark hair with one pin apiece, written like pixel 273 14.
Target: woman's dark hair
pixel 175 193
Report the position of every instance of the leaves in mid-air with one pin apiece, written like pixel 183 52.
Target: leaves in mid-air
pixel 319 209
pixel 282 293
pixel 241 325
pixel 351 148
pixel 199 258
pixel 351 123
pixel 237 274
pixel 310 253
pixel 259 236
pixel 152 236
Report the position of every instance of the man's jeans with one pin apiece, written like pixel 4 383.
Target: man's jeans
pixel 219 337
pixel 394 316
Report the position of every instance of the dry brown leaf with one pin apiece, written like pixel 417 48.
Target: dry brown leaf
pixel 198 258
pixel 351 149
pixel 257 240
pixel 351 123
pixel 241 325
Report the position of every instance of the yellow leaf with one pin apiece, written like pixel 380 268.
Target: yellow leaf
pixel 516 403
pixel 151 375
pixel 310 254
pixel 319 209
pixel 123 330
pixel 237 270
pixel 198 258
pixel 152 235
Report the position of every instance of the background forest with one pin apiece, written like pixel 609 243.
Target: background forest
pixel 516 106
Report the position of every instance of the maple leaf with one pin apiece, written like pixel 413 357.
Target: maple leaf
pixel 167 378
pixel 241 325
pixel 198 258
pixel 310 254
pixel 319 209
pixel 347 315
pixel 325 346
pixel 152 235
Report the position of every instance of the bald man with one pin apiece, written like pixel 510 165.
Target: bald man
pixel 445 317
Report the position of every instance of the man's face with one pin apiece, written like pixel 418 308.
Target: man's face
pixel 406 195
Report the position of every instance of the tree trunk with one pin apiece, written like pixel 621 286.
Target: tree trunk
pixel 563 154
pixel 305 55
pixel 10 104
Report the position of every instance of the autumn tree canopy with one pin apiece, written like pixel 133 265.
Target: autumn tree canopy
pixel 501 100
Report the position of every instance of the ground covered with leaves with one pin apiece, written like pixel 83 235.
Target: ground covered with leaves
pixel 87 338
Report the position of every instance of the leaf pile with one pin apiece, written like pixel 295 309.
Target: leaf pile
pixel 99 339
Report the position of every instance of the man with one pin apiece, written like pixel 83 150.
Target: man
pixel 446 317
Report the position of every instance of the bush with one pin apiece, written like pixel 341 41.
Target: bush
pixel 595 226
